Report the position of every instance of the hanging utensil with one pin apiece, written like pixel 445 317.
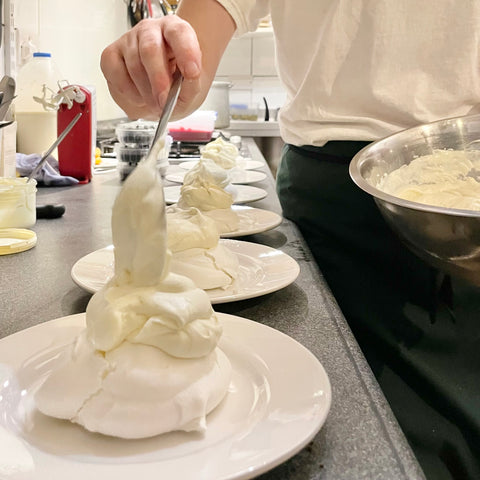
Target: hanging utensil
pixel 5 123
pixel 7 86
pixel 54 146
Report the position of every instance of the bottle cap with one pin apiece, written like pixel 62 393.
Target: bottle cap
pixel 42 54
pixel 15 240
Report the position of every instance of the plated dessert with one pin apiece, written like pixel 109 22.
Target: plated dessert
pixel 148 361
pixel 261 270
pixel 237 176
pixel 208 188
pixel 193 240
pixel 112 374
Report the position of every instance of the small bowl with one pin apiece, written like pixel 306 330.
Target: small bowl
pixel 446 238
pixel 136 134
pixel 129 157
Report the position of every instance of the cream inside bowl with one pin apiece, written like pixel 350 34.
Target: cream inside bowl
pixel 17 202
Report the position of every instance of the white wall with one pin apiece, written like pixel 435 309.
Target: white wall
pixel 249 64
pixel 75 33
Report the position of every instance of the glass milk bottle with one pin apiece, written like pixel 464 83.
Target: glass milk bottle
pixel 35 111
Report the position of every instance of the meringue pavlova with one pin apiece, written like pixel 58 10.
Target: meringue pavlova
pixel 148 361
pixel 207 187
pixel 193 240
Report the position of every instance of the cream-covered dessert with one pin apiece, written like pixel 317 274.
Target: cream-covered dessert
pixel 207 187
pixel 447 178
pixel 223 153
pixel 193 240
pixel 147 362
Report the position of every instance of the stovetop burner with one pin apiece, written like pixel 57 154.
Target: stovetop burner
pixel 185 150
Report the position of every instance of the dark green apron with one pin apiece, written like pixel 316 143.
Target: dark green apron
pixel 419 329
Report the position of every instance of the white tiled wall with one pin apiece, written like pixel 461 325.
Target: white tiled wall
pixel 249 64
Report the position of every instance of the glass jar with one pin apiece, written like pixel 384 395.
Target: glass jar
pixel 17 202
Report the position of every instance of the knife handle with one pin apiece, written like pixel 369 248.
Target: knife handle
pixel 50 211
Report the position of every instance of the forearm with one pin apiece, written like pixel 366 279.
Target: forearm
pixel 214 28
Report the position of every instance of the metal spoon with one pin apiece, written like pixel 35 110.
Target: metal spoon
pixel 172 96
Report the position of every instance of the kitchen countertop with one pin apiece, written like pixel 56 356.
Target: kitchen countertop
pixel 253 128
pixel 360 439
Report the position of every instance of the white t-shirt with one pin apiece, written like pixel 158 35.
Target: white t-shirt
pixel 361 70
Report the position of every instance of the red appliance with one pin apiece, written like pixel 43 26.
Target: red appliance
pixel 76 154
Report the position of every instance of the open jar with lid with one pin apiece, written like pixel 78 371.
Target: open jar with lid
pixel 17 202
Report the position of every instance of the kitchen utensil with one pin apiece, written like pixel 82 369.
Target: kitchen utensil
pixel 172 96
pixel 446 238
pixel 5 123
pixel 6 103
pixel 50 211
pixel 54 145
pixel 267 112
pixel 7 86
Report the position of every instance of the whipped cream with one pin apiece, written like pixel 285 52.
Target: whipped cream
pixel 223 153
pixel 207 187
pixel 193 240
pixel 447 178
pixel 148 361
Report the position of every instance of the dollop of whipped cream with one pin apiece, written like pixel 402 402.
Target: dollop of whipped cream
pixel 144 302
pixel 207 187
pixel 196 252
pixel 189 228
pixel 148 361
pixel 223 153
pixel 446 178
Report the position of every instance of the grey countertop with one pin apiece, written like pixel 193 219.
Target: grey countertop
pixel 360 438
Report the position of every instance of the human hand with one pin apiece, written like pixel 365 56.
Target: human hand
pixel 139 65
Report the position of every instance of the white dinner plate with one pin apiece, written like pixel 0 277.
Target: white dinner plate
pixel 237 176
pixel 243 194
pixel 253 220
pixel 245 164
pixel 278 400
pixel 262 270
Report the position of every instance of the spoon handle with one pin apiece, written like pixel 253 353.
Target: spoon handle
pixel 167 111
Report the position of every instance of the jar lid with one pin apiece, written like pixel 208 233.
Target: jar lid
pixel 15 240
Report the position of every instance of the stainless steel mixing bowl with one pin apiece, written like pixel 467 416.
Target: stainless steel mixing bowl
pixel 446 238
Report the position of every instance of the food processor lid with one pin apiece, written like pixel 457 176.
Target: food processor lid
pixel 15 240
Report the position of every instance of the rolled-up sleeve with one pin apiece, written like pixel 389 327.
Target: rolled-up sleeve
pixel 246 13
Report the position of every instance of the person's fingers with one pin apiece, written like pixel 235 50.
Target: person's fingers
pixel 148 62
pixel 187 52
pixel 114 70
pixel 180 49
pixel 139 65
